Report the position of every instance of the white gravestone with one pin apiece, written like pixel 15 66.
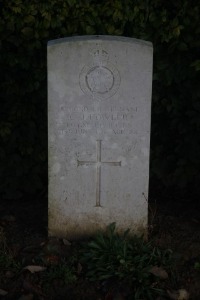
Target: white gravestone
pixel 99 108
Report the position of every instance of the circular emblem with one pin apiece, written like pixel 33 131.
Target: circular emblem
pixel 100 79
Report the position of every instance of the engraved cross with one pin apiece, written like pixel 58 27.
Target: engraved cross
pixel 98 164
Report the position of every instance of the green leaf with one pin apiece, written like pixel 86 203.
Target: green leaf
pixel 17 9
pixel 27 31
pixel 71 2
pixel 89 30
pixel 196 64
pixel 29 19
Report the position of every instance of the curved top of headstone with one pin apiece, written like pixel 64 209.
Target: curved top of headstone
pixel 99 37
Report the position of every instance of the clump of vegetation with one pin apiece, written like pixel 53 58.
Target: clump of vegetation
pixel 7 261
pixel 63 271
pixel 197 265
pixel 119 263
pixel 138 264
pixel 6 257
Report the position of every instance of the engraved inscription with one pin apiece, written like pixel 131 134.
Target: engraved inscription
pixel 98 164
pixel 81 120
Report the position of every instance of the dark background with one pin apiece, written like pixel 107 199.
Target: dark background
pixel 174 29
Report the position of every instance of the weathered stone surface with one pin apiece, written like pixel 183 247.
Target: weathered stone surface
pixel 99 107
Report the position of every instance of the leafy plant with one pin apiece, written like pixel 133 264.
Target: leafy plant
pixel 130 260
pixel 197 266
pixel 7 261
pixel 64 271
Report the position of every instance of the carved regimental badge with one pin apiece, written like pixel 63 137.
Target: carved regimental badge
pixel 100 79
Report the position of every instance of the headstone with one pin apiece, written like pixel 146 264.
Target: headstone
pixel 99 108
